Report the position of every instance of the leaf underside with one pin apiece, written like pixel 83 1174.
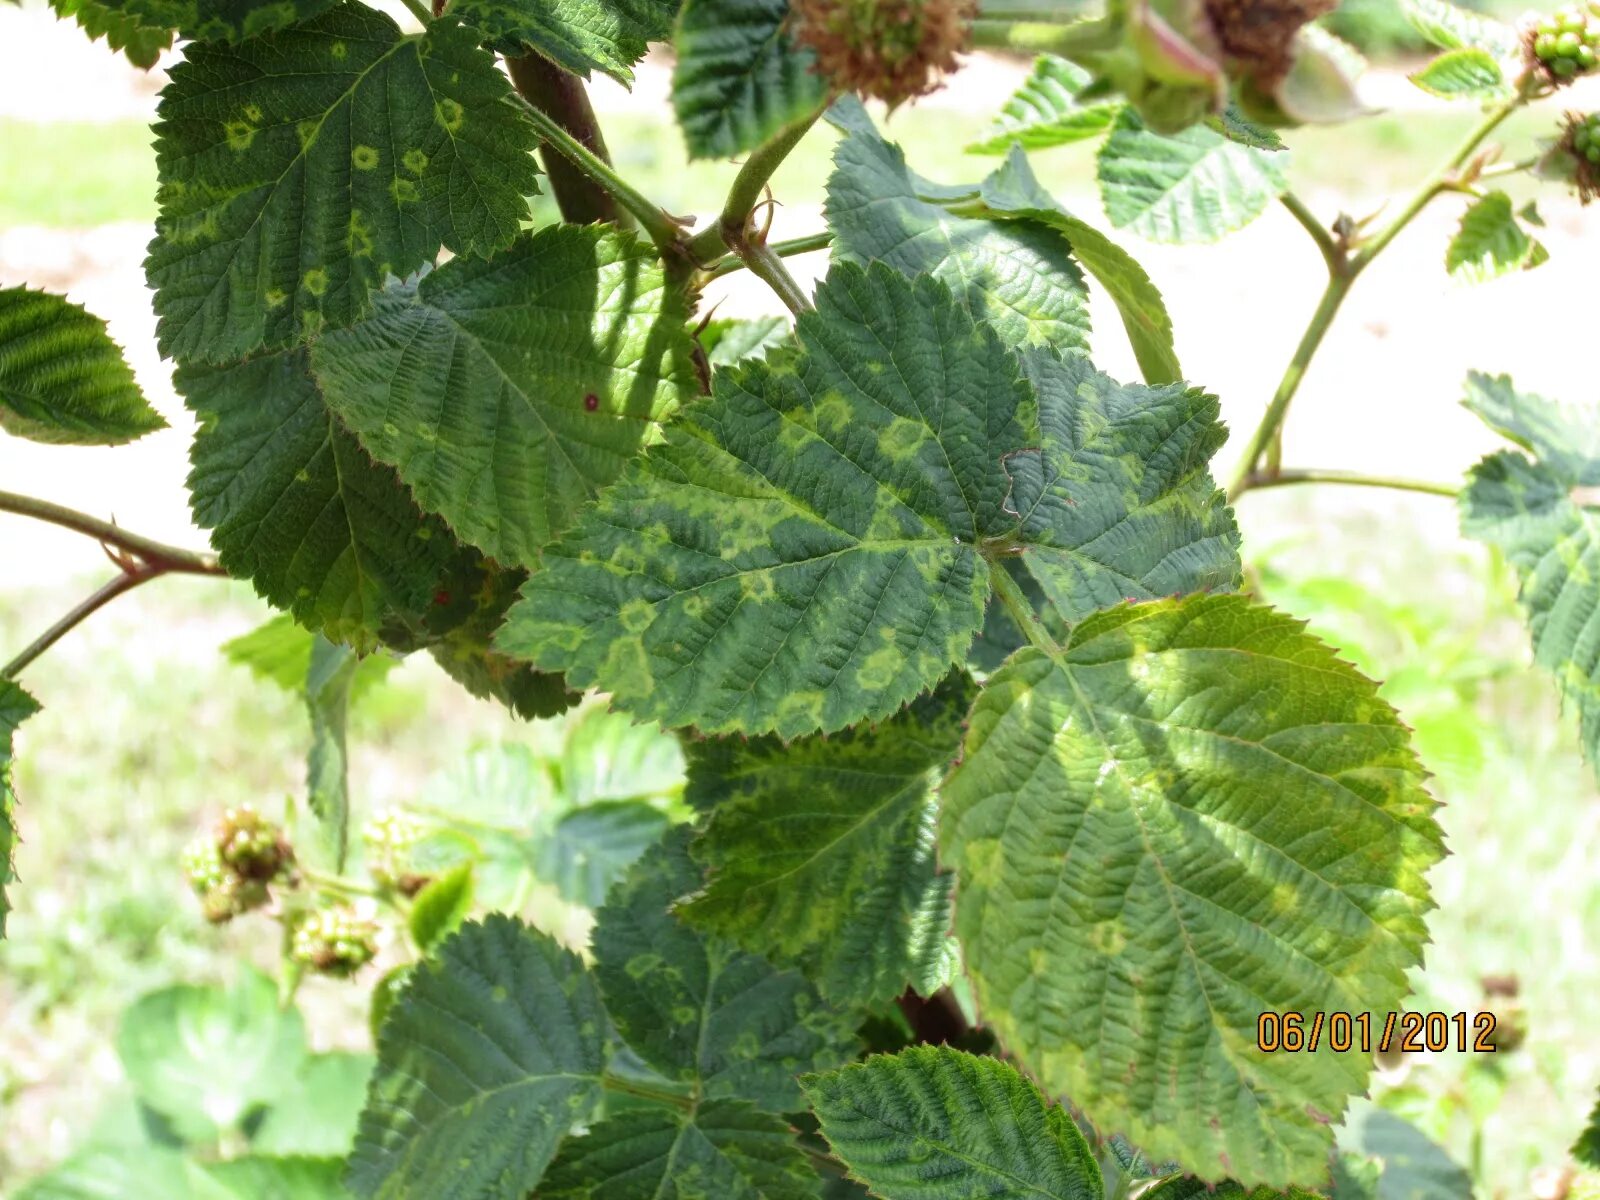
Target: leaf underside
pixel 580 35
pixel 62 379
pixel 1194 814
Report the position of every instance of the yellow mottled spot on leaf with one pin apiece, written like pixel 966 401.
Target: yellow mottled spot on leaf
pixel 240 135
pixel 637 615
pixel 801 709
pixel 626 659
pixel 306 131
pixel 756 585
pixel 983 862
pixel 359 241
pixel 252 113
pixel 275 297
pixel 403 191
pixel 833 411
pixel 303 475
pixel 880 668
pixel 449 113
pixel 339 51
pixel 901 438
pixel 315 281
pixel 414 160
pixel 364 158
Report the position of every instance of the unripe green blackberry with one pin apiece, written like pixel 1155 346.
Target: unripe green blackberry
pixel 202 865
pixel 1581 144
pixel 390 837
pixel 336 941
pixel 251 846
pixel 233 897
pixel 895 50
pixel 1565 45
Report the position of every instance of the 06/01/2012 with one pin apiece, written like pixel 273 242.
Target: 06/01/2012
pixel 1412 1032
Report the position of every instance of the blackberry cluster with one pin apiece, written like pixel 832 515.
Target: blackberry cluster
pixel 230 869
pixel 1566 44
pixel 390 837
pixel 895 50
pixel 251 846
pixel 335 941
pixel 1582 143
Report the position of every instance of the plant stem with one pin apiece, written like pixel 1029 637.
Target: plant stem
pixel 732 229
pixel 1342 273
pixel 154 553
pixel 1319 475
pixel 663 230
pixel 1333 295
pixel 784 249
pixel 562 96
pixel 1067 38
pixel 1331 253
pixel 643 1091
pixel 419 11
pixel 125 581
pixel 338 883
pixel 1016 604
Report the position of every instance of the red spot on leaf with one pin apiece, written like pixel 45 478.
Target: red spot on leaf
pixel 441 597
pixel 591 402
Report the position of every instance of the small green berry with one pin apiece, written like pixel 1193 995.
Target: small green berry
pixel 251 846
pixel 233 897
pixel 390 837
pixel 336 941
pixel 202 865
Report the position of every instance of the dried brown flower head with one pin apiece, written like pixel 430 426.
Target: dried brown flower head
pixel 895 50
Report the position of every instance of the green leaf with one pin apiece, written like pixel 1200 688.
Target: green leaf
pixel 806 540
pixel 493 1051
pixel 605 756
pixel 1526 510
pixel 1193 186
pixel 318 1114
pixel 1192 814
pixel 699 1009
pixel 1452 28
pixel 580 35
pixel 590 848
pixel 1564 438
pixel 16 706
pixel 1012 191
pixel 141 42
pixel 1046 111
pixel 507 393
pixel 298 508
pixel 218 20
pixel 1190 1188
pixel 1491 242
pixel 441 907
pixel 1467 73
pixel 301 169
pixel 1119 503
pixel 1017 275
pixel 821 851
pixel 722 1149
pixel 62 379
pixel 931 1123
pixel 1404 1162
pixel 740 77
pixel 258 1178
pixel 1587 1148
pixel 123 1173
pixel 466 655
pixel 727 342
pixel 328 684
pixel 279 652
pixel 206 1057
